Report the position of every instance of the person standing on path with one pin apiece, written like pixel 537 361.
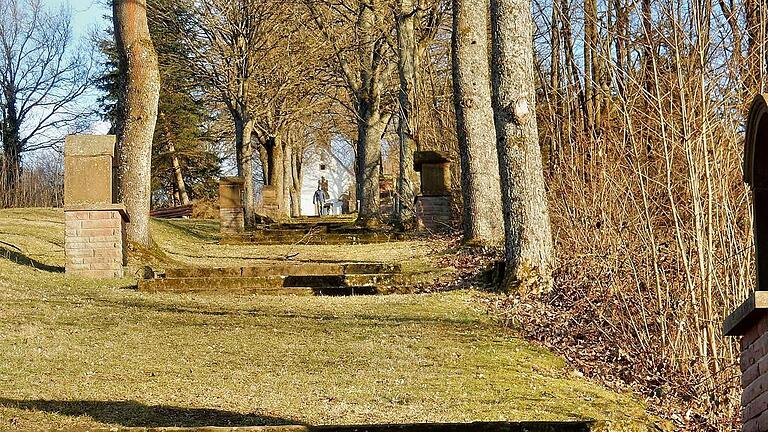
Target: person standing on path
pixel 318 200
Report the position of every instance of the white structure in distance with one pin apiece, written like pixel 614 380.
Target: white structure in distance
pixel 335 163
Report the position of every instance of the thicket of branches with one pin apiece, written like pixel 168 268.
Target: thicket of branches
pixel 641 111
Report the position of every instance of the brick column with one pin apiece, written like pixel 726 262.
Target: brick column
pixel 94 237
pixel 94 241
pixel 433 205
pixel 231 213
pixel 750 321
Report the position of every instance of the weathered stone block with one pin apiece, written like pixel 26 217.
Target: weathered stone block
pixel 88 171
pixel 435 169
pixel 433 212
pixel 231 192
pixel 231 214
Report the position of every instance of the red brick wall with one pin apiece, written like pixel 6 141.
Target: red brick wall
pixel 93 243
pixel 754 378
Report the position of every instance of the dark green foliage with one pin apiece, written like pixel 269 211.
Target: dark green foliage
pixel 183 120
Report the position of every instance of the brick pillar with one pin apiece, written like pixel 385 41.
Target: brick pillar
pixel 231 213
pixel 433 204
pixel 750 321
pixel 94 237
pixel 269 205
pixel 93 243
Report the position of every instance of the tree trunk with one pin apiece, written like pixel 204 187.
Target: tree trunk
pixel 297 180
pixel 244 156
pixel 529 249
pixel 140 89
pixel 407 123
pixel 371 127
pixel 276 176
pixel 181 186
pixel 287 177
pixel 483 221
pixel 11 149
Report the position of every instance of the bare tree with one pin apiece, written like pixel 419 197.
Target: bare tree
pixel 43 75
pixel 227 41
pixel 474 117
pixel 363 63
pixel 139 93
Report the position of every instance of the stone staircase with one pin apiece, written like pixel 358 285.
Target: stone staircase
pixel 320 233
pixel 333 230
pixel 284 278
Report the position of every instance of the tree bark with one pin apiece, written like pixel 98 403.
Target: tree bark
pixel 287 176
pixel 140 90
pixel 371 121
pixel 276 171
pixel 181 186
pixel 297 180
pixel 371 127
pixel 407 124
pixel 528 247
pixel 11 141
pixel 483 221
pixel 244 156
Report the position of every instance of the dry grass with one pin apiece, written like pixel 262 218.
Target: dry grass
pixel 77 353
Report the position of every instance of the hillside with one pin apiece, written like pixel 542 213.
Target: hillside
pixel 78 353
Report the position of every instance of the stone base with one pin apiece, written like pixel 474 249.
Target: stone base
pixel 750 321
pixel 93 242
pixel 434 212
pixel 232 220
pixel 754 378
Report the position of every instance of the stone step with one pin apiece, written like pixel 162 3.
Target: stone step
pixel 287 269
pixel 277 284
pixel 299 236
pixel 255 290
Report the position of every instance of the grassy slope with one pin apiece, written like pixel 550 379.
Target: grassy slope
pixel 84 353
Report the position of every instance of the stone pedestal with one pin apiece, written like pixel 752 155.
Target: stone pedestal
pixel 269 203
pixel 231 211
pixel 94 238
pixel 435 170
pixel 433 205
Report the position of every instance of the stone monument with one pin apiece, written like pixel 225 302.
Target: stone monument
pixel 94 238
pixel 750 320
pixel 269 204
pixel 231 211
pixel 433 204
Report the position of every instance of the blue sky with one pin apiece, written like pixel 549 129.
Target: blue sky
pixel 86 14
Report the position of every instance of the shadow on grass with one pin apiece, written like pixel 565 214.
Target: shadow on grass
pixel 269 313
pixel 135 414
pixel 21 259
